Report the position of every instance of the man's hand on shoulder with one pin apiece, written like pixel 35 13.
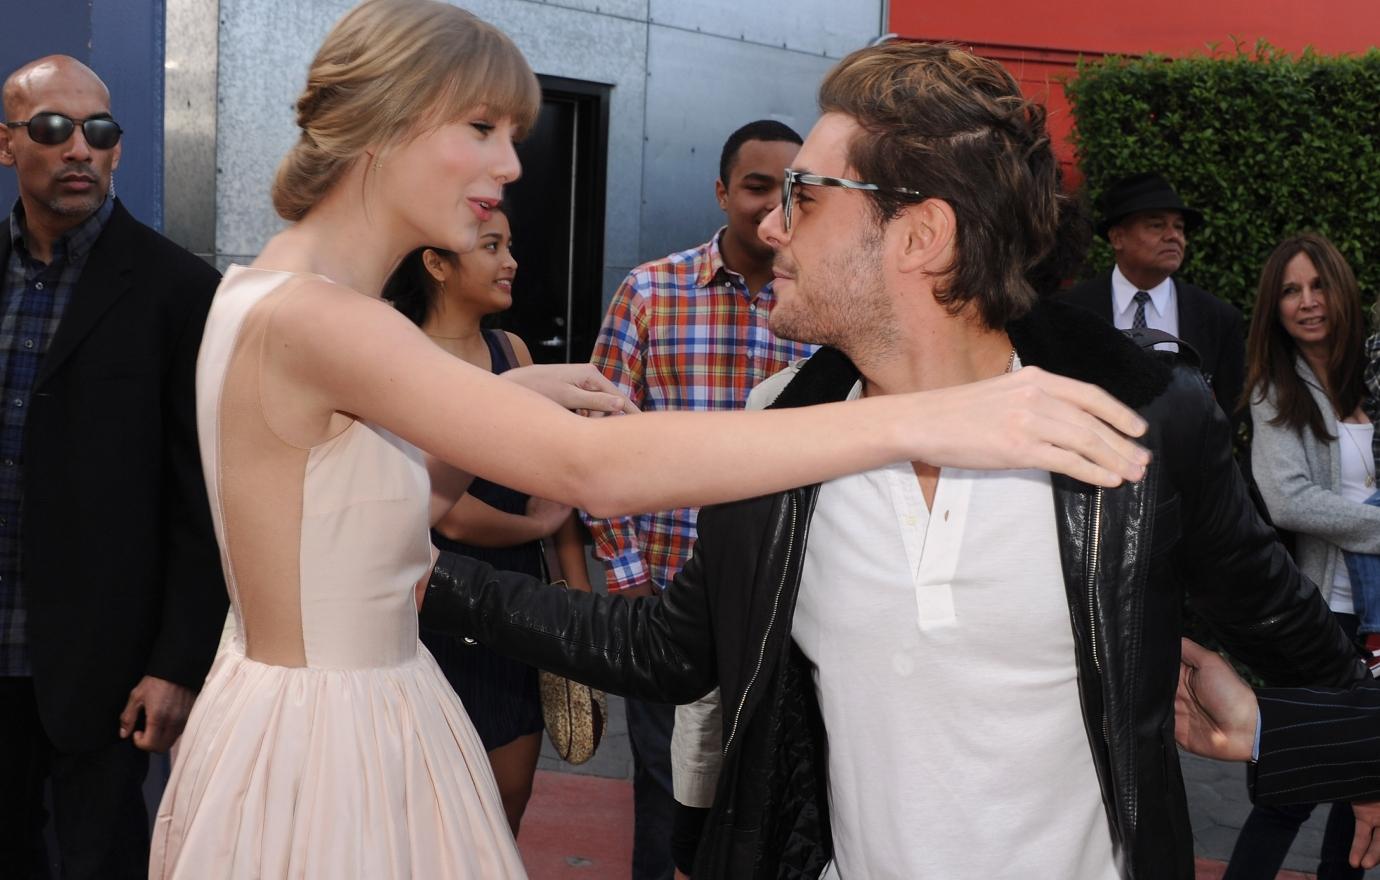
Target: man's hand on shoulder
pixel 165 707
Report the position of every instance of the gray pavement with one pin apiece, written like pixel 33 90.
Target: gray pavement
pixel 1218 806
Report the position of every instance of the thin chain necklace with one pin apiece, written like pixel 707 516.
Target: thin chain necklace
pixel 1011 361
pixel 1369 468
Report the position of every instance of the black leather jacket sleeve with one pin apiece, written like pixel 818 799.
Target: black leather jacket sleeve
pixel 1238 575
pixel 659 649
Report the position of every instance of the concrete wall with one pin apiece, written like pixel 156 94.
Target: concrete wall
pixel 684 75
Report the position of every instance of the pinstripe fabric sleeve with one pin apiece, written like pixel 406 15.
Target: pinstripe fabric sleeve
pixel 1317 745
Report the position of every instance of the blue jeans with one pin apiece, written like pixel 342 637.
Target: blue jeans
pixel 1364 569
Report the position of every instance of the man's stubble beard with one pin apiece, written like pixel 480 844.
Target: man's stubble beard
pixel 844 304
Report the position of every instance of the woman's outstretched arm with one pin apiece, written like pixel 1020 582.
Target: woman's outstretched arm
pixel 340 351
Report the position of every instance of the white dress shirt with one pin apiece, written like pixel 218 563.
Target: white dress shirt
pixel 1161 313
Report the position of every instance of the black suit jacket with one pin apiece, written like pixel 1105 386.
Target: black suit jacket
pixel 112 475
pixel 1212 326
pixel 1317 745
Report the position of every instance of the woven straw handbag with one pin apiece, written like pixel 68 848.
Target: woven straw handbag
pixel 576 715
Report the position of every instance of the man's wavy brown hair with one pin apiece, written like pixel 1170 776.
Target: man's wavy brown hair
pixel 952 126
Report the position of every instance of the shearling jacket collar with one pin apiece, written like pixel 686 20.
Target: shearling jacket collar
pixel 1054 336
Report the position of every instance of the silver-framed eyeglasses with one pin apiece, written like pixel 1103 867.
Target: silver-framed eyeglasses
pixel 795 178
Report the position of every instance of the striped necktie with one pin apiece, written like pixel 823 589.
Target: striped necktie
pixel 1141 298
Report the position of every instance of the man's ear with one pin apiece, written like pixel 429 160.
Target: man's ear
pixel 927 235
pixel 721 193
pixel 1116 236
pixel 6 154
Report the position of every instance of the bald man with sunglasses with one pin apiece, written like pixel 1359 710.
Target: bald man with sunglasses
pixel 100 322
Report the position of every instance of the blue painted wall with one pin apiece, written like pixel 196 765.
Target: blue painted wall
pixel 122 40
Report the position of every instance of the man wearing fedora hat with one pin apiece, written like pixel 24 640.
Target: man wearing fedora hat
pixel 1147 225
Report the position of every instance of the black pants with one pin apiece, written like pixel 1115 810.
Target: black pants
pixel 1269 832
pixel 98 817
pixel 654 806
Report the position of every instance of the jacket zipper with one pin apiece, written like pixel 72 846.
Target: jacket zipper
pixel 1094 555
pixel 762 650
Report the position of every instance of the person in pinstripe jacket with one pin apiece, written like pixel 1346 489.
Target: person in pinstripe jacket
pixel 1305 745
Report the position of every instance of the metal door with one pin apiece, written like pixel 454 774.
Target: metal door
pixel 557 214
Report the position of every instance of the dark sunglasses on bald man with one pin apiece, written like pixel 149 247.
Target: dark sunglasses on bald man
pixel 51 129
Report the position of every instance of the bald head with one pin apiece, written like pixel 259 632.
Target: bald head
pixel 62 177
pixel 50 73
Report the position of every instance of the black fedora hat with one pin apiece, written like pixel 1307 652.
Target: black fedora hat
pixel 1148 191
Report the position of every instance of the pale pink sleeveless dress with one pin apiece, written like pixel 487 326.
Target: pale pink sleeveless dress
pixel 360 763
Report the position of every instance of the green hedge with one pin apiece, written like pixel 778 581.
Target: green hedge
pixel 1263 143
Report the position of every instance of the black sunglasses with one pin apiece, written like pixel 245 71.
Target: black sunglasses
pixel 51 129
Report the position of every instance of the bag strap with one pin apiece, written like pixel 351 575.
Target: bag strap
pixel 505 345
pixel 551 563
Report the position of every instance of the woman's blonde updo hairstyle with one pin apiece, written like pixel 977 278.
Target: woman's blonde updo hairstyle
pixel 390 70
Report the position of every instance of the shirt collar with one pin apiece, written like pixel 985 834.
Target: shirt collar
pixel 74 244
pixel 712 269
pixel 1124 293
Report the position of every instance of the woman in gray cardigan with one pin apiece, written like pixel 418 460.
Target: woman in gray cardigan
pixel 1314 458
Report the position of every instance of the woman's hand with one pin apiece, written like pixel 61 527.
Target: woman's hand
pixel 1034 419
pixel 574 386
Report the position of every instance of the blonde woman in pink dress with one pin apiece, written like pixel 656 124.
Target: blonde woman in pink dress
pixel 326 743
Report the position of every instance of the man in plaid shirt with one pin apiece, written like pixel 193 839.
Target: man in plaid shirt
pixel 689 331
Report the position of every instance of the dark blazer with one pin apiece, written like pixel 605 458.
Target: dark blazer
pixel 1213 327
pixel 1317 745
pixel 112 473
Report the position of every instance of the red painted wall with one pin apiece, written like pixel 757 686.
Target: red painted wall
pixel 1171 27
pixel 1039 44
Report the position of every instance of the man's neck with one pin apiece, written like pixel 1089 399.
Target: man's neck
pixel 1141 279
pixel 755 268
pixel 957 351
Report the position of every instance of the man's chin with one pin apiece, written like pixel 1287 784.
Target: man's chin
pixel 73 206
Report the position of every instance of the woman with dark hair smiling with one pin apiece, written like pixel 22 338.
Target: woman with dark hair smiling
pixel 1313 458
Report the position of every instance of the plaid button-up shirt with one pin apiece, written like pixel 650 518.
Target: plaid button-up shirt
pixel 32 302
pixel 682 332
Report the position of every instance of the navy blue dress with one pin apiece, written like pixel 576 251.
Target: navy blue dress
pixel 500 695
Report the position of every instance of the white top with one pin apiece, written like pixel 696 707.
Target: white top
pixel 1161 313
pixel 945 670
pixel 1357 461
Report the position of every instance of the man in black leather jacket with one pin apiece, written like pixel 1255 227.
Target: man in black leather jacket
pixel 904 249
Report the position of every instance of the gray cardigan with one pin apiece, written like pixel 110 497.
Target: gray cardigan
pixel 1298 477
